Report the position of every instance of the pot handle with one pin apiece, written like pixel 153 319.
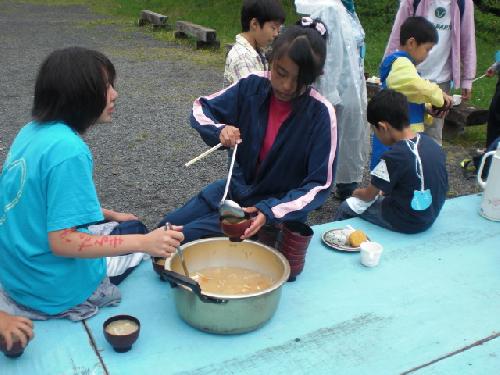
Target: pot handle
pixel 176 279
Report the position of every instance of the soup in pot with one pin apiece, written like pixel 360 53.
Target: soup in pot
pixel 231 280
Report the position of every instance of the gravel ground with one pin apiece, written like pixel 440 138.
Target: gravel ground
pixel 139 157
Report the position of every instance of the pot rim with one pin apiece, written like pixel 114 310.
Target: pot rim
pixel 276 285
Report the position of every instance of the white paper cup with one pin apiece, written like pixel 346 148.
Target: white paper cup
pixel 457 99
pixel 370 253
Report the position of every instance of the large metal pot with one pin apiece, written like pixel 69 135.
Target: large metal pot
pixel 226 314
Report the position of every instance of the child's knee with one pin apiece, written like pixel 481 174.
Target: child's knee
pixel 344 212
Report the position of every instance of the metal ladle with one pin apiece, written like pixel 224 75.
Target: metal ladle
pixel 229 207
pixel 168 226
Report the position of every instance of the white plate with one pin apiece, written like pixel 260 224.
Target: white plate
pixel 337 246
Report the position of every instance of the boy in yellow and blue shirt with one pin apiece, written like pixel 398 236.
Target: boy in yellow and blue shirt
pixel 398 72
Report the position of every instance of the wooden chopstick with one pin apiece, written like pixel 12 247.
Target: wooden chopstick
pixel 202 155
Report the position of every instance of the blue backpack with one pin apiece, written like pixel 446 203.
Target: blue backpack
pixel 461 6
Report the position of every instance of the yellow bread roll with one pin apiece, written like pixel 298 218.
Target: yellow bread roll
pixel 356 237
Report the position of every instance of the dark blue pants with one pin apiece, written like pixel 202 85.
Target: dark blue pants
pixel 199 216
pixel 373 214
pixel 130 227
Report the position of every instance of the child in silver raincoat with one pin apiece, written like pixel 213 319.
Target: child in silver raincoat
pixel 343 84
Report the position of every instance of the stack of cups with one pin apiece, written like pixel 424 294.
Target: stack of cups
pixel 268 235
pixel 293 244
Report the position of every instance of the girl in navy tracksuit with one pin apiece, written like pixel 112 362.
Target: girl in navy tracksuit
pixel 286 134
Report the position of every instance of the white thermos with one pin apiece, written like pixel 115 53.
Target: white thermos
pixel 490 206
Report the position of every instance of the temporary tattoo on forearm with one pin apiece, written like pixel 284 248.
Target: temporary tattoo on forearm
pixel 86 241
pixel 112 241
pixel 115 241
pixel 66 233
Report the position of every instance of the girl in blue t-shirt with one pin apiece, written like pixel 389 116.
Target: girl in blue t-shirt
pixel 52 265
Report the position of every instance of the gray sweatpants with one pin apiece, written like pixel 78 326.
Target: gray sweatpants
pixel 106 294
pixel 435 129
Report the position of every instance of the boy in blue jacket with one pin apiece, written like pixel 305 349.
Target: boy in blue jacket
pixel 411 175
pixel 286 134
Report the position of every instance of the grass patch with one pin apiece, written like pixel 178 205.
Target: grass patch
pixel 376 17
pixel 473 136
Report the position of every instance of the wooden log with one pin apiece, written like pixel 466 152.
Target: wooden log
pixel 207 45
pixel 467 115
pixel 200 33
pixel 461 116
pixel 457 119
pixel 156 19
pixel 180 35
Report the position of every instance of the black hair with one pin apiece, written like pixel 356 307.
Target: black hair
pixel 306 47
pixel 420 29
pixel 263 10
pixel 71 86
pixel 390 106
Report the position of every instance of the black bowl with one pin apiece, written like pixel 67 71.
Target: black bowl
pixel 121 343
pixel 15 351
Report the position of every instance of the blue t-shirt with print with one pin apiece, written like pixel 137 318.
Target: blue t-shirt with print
pixel 46 185
pixel 396 176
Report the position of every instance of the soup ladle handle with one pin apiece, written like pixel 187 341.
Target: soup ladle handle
pixel 168 226
pixel 176 279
